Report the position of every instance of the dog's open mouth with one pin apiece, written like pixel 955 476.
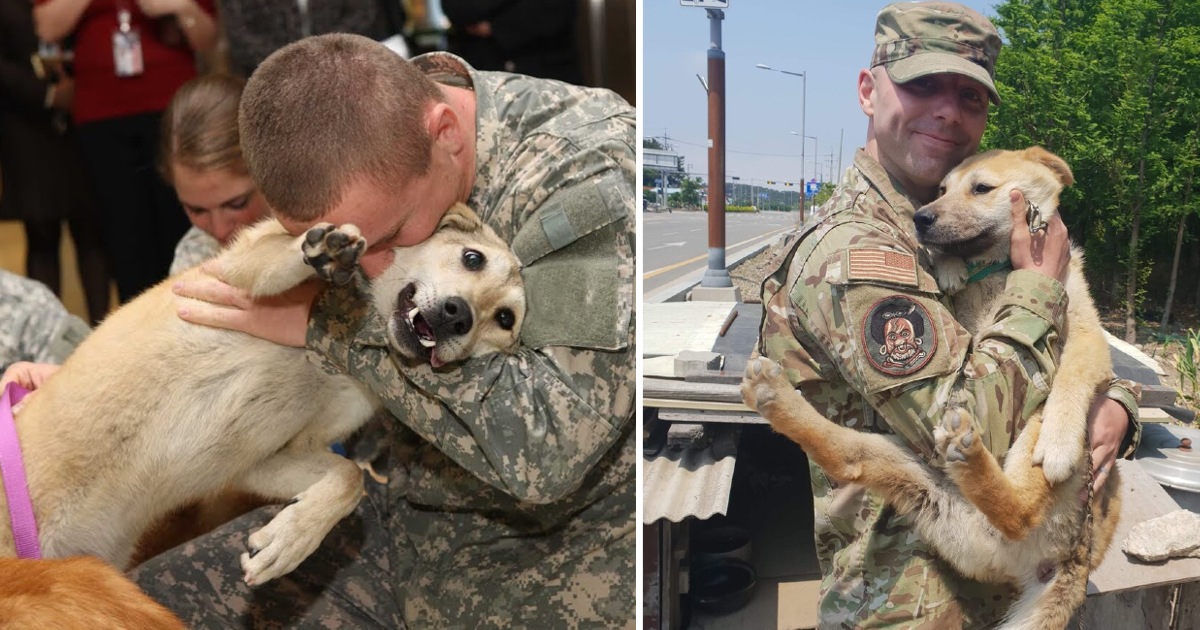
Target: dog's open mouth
pixel 421 339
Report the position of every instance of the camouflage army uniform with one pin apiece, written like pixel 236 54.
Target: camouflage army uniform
pixel 833 287
pixel 34 325
pixel 510 499
pixel 195 247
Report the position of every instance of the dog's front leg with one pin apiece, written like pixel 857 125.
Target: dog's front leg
pixel 266 260
pixel 1083 372
pixel 323 488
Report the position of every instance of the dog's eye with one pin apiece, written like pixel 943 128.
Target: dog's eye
pixel 941 190
pixel 473 260
pixel 983 189
pixel 506 318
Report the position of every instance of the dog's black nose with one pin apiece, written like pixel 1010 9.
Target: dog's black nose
pixel 924 220
pixel 456 317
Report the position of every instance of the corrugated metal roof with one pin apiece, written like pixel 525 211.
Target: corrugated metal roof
pixel 694 481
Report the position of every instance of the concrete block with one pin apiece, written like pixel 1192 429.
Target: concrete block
pixel 691 361
pixel 715 294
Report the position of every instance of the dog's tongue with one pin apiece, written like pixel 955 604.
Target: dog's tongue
pixel 435 361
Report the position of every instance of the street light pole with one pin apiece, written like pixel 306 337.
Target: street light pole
pixel 803 97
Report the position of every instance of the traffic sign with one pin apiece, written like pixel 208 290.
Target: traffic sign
pixel 811 188
pixel 705 4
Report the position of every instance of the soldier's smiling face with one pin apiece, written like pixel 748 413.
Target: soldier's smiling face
pixel 921 129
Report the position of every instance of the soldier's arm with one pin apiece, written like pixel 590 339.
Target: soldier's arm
pixel 36 326
pixel 1001 378
pixel 1127 393
pixel 532 424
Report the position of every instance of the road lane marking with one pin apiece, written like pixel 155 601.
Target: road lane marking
pixel 662 270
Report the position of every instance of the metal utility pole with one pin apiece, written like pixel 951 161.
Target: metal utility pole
pixel 716 276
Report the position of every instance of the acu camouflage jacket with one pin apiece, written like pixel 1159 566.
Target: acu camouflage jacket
pixel 520 434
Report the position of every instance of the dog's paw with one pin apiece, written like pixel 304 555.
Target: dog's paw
pixel 333 251
pixel 955 437
pixel 1057 458
pixel 763 383
pixel 280 546
pixel 951 274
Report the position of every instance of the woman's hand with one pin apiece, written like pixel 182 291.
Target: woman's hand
pixel 29 375
pixel 282 319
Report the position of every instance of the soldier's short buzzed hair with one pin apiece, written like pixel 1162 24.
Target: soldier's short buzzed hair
pixel 327 110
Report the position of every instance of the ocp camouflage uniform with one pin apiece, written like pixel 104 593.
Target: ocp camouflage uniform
pixel 510 499
pixel 852 272
pixel 34 325
pixel 195 247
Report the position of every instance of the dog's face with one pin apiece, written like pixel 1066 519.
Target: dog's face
pixel 456 295
pixel 972 216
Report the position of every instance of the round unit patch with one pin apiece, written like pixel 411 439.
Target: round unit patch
pixel 899 336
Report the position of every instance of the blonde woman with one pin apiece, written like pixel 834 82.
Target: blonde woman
pixel 202 158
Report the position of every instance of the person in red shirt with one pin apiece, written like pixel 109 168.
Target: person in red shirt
pixel 130 57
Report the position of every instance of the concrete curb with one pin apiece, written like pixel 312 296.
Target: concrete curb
pixel 677 291
pixel 1136 353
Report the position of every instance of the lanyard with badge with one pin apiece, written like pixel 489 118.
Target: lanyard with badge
pixel 127 45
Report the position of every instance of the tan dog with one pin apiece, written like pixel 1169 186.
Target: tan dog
pixel 151 413
pixel 996 525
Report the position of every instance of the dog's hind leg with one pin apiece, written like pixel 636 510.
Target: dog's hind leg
pixel 1013 499
pixel 844 454
pixel 322 488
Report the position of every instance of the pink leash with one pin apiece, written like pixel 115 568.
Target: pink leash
pixel 20 507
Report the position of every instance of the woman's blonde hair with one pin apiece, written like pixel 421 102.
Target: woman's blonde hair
pixel 200 126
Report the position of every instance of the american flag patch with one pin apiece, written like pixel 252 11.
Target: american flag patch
pixel 883 265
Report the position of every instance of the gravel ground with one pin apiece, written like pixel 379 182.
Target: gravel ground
pixel 748 275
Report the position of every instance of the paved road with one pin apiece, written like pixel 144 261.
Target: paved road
pixel 675 245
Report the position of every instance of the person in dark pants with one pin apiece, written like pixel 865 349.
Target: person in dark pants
pixel 130 57
pixel 43 177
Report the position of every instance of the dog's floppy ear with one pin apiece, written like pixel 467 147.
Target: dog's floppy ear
pixel 1055 163
pixel 460 217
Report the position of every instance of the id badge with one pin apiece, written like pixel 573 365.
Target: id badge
pixel 127 48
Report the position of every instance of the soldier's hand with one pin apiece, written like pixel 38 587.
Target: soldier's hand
pixel 1107 423
pixel 1047 251
pixel 209 301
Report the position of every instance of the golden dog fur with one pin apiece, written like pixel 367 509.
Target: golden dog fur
pixel 80 592
pixel 152 413
pixel 1021 524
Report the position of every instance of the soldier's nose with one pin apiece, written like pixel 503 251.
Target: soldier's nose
pixel 924 220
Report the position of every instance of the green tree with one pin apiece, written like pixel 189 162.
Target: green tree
pixel 1110 86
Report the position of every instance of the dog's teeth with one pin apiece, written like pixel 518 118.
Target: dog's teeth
pixel 413 313
pixel 428 343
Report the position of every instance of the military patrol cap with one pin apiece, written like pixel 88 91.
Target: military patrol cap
pixel 915 39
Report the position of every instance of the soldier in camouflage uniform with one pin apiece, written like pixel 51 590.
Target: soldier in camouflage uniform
pixel 854 316
pixel 34 325
pixel 510 492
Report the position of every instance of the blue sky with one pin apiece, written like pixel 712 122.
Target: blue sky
pixel 829 41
